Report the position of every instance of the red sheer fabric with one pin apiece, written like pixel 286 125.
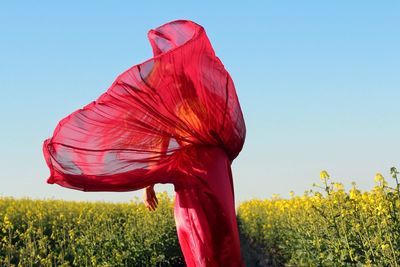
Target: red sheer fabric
pixel 174 118
pixel 183 96
pixel 205 211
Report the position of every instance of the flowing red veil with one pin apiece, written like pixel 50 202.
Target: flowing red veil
pixel 137 129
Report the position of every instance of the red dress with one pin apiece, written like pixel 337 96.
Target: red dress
pixel 174 118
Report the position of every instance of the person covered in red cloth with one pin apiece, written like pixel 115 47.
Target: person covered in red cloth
pixel 174 118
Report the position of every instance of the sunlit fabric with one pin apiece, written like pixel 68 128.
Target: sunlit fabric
pixel 174 118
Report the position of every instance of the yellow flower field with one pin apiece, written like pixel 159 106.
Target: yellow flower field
pixel 333 228
pixel 65 233
pixel 323 227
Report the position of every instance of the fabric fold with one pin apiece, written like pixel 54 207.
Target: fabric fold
pixel 134 133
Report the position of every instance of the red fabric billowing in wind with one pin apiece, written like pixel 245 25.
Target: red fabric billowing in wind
pixel 183 96
pixel 174 118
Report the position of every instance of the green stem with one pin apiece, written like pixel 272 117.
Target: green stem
pixel 366 231
pixel 393 252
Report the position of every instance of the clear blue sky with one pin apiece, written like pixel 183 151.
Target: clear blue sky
pixel 318 81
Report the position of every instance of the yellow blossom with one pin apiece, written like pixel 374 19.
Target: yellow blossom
pixel 378 178
pixel 323 175
pixel 338 186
